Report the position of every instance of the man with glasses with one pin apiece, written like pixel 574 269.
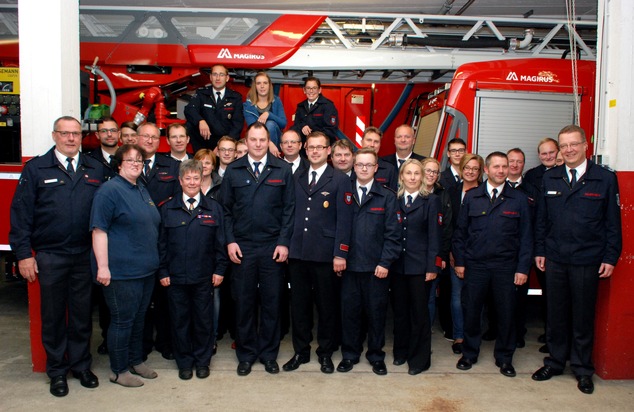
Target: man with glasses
pixel 108 135
pixel 160 176
pixel 214 111
pixel 404 139
pixel 374 246
pixel 318 252
pixel 385 174
pixel 316 113
pixel 578 242
pixel 50 214
pixel 226 153
pixel 456 148
pixel 291 144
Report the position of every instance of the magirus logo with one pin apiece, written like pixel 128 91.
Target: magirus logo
pixel 226 54
pixel 541 78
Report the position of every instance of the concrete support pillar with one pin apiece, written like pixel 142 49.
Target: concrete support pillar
pixel 49 82
pixel 49 69
pixel 614 143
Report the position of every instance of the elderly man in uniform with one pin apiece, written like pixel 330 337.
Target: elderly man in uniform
pixel 50 213
pixel 259 203
pixel 318 252
pixel 214 111
pixel 578 242
pixel 492 248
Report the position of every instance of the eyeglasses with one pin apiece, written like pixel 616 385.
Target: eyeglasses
pixel 66 134
pixel 315 148
pixel 457 151
pixel 471 169
pixel 114 130
pixel 150 137
pixel 570 145
pixel 218 74
pixel 364 165
pixel 431 172
pixel 226 150
pixel 311 89
pixel 291 142
pixel 133 161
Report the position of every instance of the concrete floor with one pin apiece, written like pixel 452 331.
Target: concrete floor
pixel 442 388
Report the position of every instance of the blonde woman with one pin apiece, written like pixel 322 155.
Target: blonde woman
pixel 264 107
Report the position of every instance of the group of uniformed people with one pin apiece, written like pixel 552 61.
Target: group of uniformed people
pixel 348 237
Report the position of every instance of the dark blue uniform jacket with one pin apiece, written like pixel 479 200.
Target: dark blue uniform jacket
pixel 375 230
pixel 500 234
pixel 258 210
pixel 421 235
pixel 162 183
pixel 228 119
pixel 581 226
pixel 323 217
pixel 192 245
pixel 323 117
pixel 50 211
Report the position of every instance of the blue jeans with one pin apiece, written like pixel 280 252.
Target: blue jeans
pixel 275 132
pixel 128 301
pixel 456 305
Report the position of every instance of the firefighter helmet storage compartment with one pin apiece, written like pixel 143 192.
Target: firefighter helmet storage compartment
pixel 10 115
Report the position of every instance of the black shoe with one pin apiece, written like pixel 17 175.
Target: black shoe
pixel 271 366
pixel 399 361
pixel 541 338
pixel 585 384
pixel 457 348
pixel 415 371
pixel 346 365
pixel 379 367
pixel 520 343
pixel 167 354
pixel 86 378
pixel 244 368
pixel 506 369
pixel 326 364
pixel 544 373
pixel 185 374
pixel 489 335
pixel 59 386
pixel 294 363
pixel 544 349
pixel 202 372
pixel 465 364
pixel 103 348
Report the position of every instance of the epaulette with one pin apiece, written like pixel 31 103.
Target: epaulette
pixel 389 188
pixel 164 201
pixel 608 168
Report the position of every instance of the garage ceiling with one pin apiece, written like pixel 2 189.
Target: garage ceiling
pixel 585 9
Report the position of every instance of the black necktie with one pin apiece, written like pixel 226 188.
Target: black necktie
pixel 69 166
pixel 400 162
pixel 256 169
pixel 494 196
pixel 218 99
pixel 573 179
pixel 457 178
pixel 313 182
pixel 146 168
pixel 363 193
pixel 112 163
pixel 409 201
pixel 191 201
pixel 513 184
pixel 310 106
